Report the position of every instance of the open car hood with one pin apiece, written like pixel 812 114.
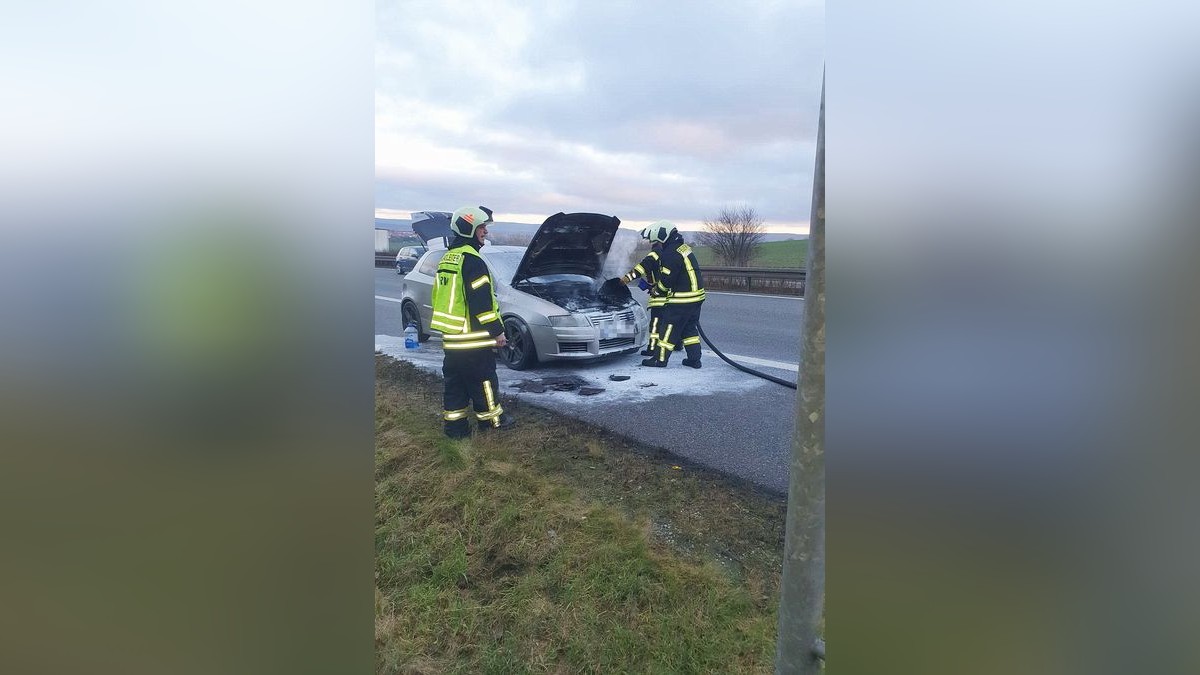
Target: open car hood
pixel 432 226
pixel 569 243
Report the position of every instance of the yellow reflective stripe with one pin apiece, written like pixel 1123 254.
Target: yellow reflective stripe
pixel 469 336
pixel 446 328
pixel 657 302
pixel 451 415
pixel 694 340
pixel 673 301
pixel 450 317
pixel 665 270
pixel 491 414
pixel 639 269
pixel 662 350
pixel 487 394
pixel 653 254
pixel 688 294
pixel 665 338
pixel 654 327
pixel 479 282
pixel 453 286
pixel 488 316
pixel 469 345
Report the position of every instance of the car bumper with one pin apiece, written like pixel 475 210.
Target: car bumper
pixel 584 342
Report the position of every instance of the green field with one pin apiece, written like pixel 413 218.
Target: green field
pixel 558 548
pixel 790 253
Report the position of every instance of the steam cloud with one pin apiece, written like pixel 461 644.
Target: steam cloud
pixel 621 254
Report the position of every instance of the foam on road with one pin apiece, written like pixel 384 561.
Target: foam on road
pixel 644 384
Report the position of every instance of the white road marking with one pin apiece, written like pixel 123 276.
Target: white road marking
pixel 384 297
pixel 755 295
pixel 752 361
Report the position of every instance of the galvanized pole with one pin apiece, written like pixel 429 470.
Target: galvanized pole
pixel 799 647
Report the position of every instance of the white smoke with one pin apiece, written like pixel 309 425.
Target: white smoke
pixel 622 255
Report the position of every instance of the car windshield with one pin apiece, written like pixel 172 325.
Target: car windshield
pixel 504 263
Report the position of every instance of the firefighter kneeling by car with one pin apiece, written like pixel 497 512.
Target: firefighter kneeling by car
pixel 467 315
pixel 679 282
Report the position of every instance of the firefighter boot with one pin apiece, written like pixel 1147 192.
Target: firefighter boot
pixel 504 421
pixel 693 356
pixel 660 360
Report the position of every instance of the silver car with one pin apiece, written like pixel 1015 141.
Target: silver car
pixel 552 295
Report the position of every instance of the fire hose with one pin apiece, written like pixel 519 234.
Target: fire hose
pixel 610 285
pixel 739 366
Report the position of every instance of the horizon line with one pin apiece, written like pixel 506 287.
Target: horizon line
pixel 537 219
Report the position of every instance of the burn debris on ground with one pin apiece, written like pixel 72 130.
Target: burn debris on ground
pixel 557 383
pixel 618 378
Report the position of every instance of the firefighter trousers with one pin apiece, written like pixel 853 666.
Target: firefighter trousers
pixel 678 326
pixel 656 323
pixel 471 382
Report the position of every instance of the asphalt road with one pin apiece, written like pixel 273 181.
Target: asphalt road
pixel 717 416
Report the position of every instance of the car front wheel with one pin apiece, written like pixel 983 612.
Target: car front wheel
pixel 519 353
pixel 409 315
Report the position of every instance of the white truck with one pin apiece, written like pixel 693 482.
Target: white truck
pixel 383 255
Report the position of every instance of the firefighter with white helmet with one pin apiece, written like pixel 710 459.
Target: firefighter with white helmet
pixel 647 271
pixel 465 311
pixel 679 281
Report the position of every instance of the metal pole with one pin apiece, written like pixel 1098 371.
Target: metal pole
pixel 799 647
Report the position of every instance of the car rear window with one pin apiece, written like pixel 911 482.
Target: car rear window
pixel 429 265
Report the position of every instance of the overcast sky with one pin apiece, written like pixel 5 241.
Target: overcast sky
pixel 642 110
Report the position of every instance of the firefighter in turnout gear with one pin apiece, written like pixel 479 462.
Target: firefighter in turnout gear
pixel 647 269
pixel 680 282
pixel 467 315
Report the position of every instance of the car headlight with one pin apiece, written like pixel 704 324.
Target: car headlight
pixel 568 321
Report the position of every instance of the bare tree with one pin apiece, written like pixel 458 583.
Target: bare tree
pixel 734 235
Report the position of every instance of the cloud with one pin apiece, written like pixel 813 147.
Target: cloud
pixel 632 109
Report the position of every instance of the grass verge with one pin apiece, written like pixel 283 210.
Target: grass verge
pixel 556 547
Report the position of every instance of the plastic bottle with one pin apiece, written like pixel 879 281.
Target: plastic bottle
pixel 410 337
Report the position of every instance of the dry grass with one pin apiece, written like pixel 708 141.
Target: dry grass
pixel 556 547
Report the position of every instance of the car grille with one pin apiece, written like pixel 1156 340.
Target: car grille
pixel 616 342
pixel 572 347
pixel 601 319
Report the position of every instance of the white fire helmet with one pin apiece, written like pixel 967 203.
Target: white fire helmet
pixel 660 231
pixel 466 220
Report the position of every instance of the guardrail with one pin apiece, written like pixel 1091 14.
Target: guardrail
pixel 778 280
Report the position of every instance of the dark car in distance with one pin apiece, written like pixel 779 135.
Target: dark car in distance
pixel 407 256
